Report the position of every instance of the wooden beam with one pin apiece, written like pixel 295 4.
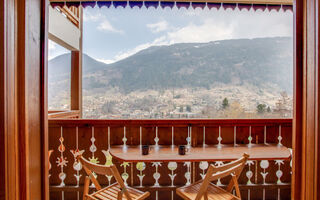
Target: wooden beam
pixel 70 114
pixel 44 100
pixel 22 120
pixel 2 101
pixel 170 122
pixel 306 106
pixel 76 75
pixel 297 100
pixel 9 168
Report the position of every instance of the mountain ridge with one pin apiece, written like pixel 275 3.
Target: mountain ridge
pixel 264 62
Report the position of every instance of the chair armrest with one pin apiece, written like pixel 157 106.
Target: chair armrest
pixel 143 196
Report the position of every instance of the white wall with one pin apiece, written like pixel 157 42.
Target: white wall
pixel 62 31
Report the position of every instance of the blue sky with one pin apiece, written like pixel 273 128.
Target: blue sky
pixel 111 34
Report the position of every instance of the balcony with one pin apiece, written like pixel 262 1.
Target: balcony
pixel 263 179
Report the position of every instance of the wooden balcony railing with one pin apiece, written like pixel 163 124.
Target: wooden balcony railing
pixel 63 114
pixel 72 13
pixel 266 179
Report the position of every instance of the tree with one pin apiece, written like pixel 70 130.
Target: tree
pixel 225 103
pixel 261 108
pixel 268 109
pixel 108 107
pixel 283 106
pixel 188 108
pixel 234 110
pixel 181 109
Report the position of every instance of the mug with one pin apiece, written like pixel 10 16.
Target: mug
pixel 145 149
pixel 182 150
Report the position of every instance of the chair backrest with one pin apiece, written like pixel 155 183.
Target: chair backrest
pixel 111 170
pixel 233 168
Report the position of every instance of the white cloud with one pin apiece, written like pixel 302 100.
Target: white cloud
pixel 126 54
pixel 104 24
pixel 92 17
pixel 156 42
pixel 107 27
pixel 207 27
pixel 206 32
pixel 158 27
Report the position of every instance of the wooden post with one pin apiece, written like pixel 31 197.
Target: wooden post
pixel 23 130
pixel 9 185
pixel 76 73
pixel 297 101
pixel 305 180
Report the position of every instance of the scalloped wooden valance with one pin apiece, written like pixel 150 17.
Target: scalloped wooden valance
pixel 277 5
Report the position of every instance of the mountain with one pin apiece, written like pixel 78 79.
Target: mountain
pixel 263 62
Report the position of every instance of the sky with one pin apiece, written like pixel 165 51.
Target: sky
pixel 112 34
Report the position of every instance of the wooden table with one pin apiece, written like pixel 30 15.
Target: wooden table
pixel 197 154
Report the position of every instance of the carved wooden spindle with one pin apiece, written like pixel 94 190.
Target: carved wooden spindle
pixel 141 166
pixel 219 138
pixel 172 166
pixel 49 163
pixel 187 175
pixel 172 136
pixel 124 139
pixel 156 175
pixel 264 164
pixel 93 149
pixel 279 137
pixel 265 135
pixel 125 175
pixel 250 137
pixel 156 139
pixel 235 136
pixel 109 144
pixel 203 165
pixel 140 134
pixel 188 139
pixel 62 161
pixel 279 173
pixel 290 149
pixel 249 173
pixel 204 136
pixel 77 165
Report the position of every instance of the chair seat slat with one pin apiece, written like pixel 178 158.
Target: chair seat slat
pixel 206 190
pixel 111 192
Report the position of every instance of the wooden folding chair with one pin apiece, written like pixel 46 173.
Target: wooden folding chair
pixel 205 190
pixel 116 191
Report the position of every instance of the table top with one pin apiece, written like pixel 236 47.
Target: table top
pixel 197 154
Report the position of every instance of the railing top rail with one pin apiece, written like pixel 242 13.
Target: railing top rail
pixel 63 114
pixel 169 122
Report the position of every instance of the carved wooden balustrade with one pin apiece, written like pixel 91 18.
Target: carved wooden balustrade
pixel 93 138
pixel 72 13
